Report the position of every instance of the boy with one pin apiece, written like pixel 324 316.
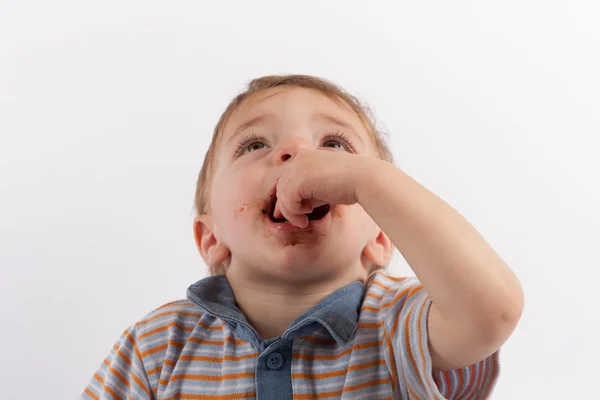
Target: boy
pixel 299 208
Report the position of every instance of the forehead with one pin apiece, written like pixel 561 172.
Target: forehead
pixel 293 103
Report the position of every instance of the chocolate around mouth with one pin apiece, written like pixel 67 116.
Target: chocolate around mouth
pixel 316 214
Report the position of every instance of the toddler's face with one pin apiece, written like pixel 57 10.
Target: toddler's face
pixel 250 158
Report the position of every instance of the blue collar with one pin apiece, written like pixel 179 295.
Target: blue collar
pixel 338 312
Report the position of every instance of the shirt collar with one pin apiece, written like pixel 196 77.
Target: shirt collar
pixel 338 312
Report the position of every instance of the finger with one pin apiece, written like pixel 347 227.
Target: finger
pixel 273 192
pixel 304 207
pixel 314 203
pixel 299 220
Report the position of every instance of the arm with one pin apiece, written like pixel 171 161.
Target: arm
pixel 477 299
pixel 122 374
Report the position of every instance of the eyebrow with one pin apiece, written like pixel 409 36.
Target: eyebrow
pixel 318 117
pixel 336 121
pixel 250 123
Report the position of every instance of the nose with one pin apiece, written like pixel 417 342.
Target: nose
pixel 288 150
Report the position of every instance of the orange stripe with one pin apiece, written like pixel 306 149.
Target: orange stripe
pixel 162 347
pixel 346 389
pixel 409 352
pixel 336 356
pixel 395 278
pixel 218 359
pixel 135 347
pixel 217 342
pixel 372 325
pixel 396 298
pixel 170 363
pixel 366 345
pixel 154 370
pixel 320 357
pixel 187 314
pixel 116 373
pixel 206 341
pixel 99 378
pixel 140 384
pixel 341 372
pixel 112 393
pixel 155 349
pixel 392 359
pixel 375 382
pixel 446 376
pixel 461 380
pixel 128 361
pixel 479 373
pixel 472 380
pixel 234 340
pixel 391 351
pixel 184 303
pixel 211 328
pixel 420 334
pixel 373 295
pixel 397 317
pixel 414 291
pixel 164 328
pixel 122 355
pixel 489 386
pixel 386 288
pixel 204 377
pixel 213 397
pixel 92 395
pixel 413 395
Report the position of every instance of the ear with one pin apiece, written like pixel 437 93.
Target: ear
pixel 212 250
pixel 379 249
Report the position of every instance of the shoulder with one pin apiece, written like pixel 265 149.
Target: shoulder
pixel 384 287
pixel 390 294
pixel 180 316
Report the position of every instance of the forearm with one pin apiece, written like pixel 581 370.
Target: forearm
pixel 463 275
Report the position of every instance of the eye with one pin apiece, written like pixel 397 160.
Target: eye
pixel 334 144
pixel 254 146
pixel 338 141
pixel 249 144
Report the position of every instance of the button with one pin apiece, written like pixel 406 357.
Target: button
pixel 274 361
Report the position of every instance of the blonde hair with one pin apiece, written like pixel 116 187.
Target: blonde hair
pixel 258 85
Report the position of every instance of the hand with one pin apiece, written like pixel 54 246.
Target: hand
pixel 314 178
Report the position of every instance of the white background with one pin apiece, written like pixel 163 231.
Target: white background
pixel 107 108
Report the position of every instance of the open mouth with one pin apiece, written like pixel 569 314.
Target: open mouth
pixel 316 214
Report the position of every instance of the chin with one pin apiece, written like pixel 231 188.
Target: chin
pixel 303 257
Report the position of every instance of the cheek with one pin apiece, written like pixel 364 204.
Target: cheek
pixel 359 222
pixel 235 198
pixel 226 188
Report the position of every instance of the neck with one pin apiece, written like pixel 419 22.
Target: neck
pixel 271 305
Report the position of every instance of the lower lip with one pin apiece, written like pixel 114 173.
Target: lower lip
pixel 286 227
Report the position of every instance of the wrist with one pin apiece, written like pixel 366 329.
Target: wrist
pixel 366 174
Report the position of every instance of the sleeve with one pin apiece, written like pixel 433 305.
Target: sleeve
pixel 122 374
pixel 406 334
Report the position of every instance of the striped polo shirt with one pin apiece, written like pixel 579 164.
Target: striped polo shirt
pixel 360 342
